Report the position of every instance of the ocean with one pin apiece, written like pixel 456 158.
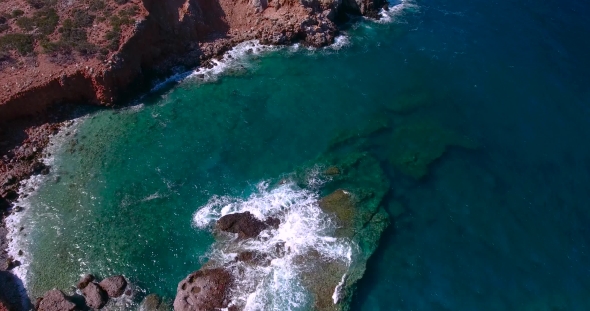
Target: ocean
pixel 475 112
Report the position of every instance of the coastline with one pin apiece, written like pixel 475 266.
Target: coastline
pixel 24 138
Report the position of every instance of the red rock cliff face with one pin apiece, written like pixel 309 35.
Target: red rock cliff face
pixel 166 34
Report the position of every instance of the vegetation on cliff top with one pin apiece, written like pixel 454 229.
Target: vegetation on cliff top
pixel 88 28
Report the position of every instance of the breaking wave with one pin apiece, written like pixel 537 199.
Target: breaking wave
pixel 395 10
pixel 305 230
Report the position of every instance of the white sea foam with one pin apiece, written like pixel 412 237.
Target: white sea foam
pixel 304 229
pixel 336 296
pixel 28 187
pixel 395 10
pixel 340 42
pixel 237 57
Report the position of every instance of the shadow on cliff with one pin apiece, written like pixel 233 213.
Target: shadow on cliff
pixel 13 293
pixel 16 132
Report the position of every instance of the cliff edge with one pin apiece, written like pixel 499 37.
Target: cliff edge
pixel 98 51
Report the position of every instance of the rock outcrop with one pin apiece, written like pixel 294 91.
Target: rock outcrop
pixel 203 290
pixel 55 300
pixel 84 281
pixel 245 224
pixel 95 296
pixel 114 286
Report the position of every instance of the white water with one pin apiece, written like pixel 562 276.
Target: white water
pixel 304 227
pixel 18 240
pixel 395 10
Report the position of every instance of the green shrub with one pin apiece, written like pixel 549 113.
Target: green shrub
pixel 45 20
pixel 22 43
pixel 17 13
pixel 73 35
pixel 82 19
pixel 25 23
pixel 38 4
pixel 96 5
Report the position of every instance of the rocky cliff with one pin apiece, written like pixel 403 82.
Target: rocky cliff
pixel 98 51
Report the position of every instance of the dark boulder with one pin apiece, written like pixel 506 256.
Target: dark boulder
pixel 273 222
pixel 244 224
pixel 84 281
pixel 95 296
pixel 203 290
pixel 39 168
pixel 114 286
pixel 55 300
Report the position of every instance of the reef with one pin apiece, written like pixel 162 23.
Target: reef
pixel 415 146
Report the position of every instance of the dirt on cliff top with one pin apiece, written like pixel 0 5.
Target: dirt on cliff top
pixel 44 39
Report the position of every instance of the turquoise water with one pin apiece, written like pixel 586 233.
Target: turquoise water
pixel 477 113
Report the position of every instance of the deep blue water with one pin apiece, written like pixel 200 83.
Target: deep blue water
pixel 500 223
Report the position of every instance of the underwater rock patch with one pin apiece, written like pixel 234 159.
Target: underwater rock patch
pixel 415 147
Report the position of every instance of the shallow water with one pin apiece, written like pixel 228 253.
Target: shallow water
pixel 494 95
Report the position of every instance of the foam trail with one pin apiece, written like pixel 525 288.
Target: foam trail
pixel 304 229
pixel 395 10
pixel 236 57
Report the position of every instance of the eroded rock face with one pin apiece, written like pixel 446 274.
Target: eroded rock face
pixel 114 286
pixel 244 224
pixel 95 296
pixel 203 290
pixel 55 300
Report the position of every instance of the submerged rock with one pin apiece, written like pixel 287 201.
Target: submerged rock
pixel 55 300
pixel 416 146
pixel 153 302
pixel 95 296
pixel 114 285
pixel 203 290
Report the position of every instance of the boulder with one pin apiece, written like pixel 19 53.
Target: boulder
pixel 55 300
pixel 244 224
pixel 95 296
pixel 203 290
pixel 84 281
pixel 114 286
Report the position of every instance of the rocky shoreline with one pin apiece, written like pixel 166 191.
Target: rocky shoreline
pixel 165 36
